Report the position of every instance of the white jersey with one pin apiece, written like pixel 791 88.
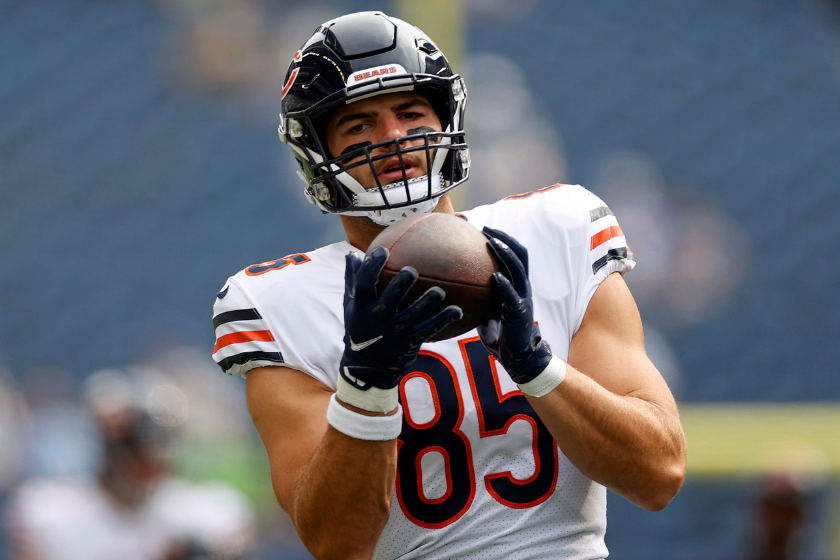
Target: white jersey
pixel 479 475
pixel 74 519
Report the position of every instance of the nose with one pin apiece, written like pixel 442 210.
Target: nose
pixel 391 128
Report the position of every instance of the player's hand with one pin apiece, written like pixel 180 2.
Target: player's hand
pixel 514 339
pixel 379 341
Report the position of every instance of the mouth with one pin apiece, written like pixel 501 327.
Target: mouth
pixel 392 171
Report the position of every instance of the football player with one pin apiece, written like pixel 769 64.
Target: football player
pixel 499 443
pixel 133 508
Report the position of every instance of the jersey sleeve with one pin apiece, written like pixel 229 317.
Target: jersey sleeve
pixel 287 312
pixel 244 340
pixel 574 242
pixel 606 248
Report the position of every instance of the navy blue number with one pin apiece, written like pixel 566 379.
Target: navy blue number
pixel 442 435
pixel 496 412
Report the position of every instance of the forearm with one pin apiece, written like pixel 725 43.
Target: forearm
pixel 633 446
pixel 342 499
pixel 335 488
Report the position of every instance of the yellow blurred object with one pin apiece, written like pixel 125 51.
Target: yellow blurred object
pixel 758 439
pixel 444 21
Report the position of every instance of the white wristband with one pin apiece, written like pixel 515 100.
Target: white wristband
pixel 552 376
pixel 359 426
pixel 372 400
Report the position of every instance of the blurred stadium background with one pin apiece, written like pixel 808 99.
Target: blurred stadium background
pixel 139 167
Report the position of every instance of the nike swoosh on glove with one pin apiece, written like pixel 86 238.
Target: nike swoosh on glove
pixel 381 342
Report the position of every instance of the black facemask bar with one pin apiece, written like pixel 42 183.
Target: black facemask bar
pixel 432 141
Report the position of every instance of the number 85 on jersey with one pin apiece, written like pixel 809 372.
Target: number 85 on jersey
pixel 436 468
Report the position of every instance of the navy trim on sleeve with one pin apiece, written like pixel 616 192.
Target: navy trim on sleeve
pixel 235 315
pixel 245 357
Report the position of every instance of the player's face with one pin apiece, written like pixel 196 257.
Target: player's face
pixel 378 119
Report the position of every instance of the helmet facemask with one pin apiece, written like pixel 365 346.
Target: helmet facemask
pixel 334 190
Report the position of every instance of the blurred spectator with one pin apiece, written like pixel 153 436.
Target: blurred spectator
pixel 782 511
pixel 132 509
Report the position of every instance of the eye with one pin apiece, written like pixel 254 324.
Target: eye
pixel 357 129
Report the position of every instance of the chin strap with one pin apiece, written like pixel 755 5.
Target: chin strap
pixel 396 194
pixel 388 217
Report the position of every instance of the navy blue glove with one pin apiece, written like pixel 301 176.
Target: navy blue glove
pixel 380 342
pixel 514 339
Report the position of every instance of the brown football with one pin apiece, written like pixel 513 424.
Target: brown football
pixel 447 252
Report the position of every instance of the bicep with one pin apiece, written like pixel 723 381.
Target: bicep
pixel 609 347
pixel 289 411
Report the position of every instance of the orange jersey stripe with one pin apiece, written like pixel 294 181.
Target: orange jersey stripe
pixel 605 235
pixel 246 336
